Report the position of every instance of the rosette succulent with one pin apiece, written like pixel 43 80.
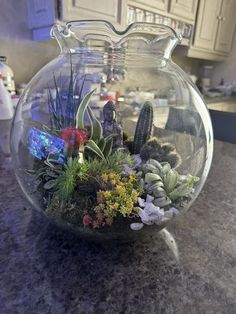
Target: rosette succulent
pixel 166 185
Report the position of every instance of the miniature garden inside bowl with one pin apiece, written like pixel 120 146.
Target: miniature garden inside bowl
pixel 111 139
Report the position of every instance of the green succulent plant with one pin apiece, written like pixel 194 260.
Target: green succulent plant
pixel 76 176
pixel 162 152
pixel 97 146
pixel 45 177
pixel 166 185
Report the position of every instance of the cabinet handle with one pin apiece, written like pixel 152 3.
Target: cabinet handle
pixel 221 18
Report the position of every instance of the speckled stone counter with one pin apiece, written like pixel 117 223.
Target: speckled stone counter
pixel 189 268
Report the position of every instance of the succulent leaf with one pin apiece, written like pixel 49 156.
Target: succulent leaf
pixel 170 180
pixel 162 201
pixel 81 110
pixel 108 147
pixel 182 190
pixel 159 191
pixel 91 145
pixel 154 163
pixel 152 177
pixel 165 168
pixel 101 143
pixel 49 184
pixel 96 127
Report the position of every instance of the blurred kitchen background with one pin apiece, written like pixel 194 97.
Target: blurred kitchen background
pixel 207 52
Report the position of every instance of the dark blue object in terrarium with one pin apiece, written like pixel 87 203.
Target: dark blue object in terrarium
pixel 42 144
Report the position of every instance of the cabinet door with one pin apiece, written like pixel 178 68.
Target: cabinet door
pixel 152 5
pixel 207 24
pixel 226 26
pixel 184 8
pixel 112 10
pixel 40 13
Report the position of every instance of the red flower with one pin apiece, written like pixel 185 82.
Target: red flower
pixel 74 137
pixel 87 220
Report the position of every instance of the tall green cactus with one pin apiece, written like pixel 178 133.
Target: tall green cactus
pixel 144 127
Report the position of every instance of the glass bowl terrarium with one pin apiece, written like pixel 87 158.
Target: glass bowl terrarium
pixel 111 139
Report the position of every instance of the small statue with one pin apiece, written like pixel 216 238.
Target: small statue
pixel 110 125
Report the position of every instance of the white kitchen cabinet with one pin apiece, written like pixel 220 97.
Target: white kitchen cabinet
pixel 226 26
pixel 184 8
pixel 214 29
pixel 42 14
pixel 207 23
pixel 181 9
pixel 151 5
pixel 113 10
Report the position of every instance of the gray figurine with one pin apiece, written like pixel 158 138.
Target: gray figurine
pixel 110 125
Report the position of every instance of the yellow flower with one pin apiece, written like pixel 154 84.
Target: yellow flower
pixel 105 177
pixel 120 189
pixel 118 195
pixel 107 194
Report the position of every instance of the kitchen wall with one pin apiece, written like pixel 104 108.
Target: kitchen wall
pixel 24 55
pixel 227 69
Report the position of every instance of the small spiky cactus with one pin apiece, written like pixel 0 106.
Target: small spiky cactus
pixel 162 152
pixel 144 127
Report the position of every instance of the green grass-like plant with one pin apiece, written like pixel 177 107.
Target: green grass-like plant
pixel 75 174
pixel 67 181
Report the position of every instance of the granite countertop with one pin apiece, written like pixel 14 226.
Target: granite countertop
pixel 225 99
pixel 190 267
